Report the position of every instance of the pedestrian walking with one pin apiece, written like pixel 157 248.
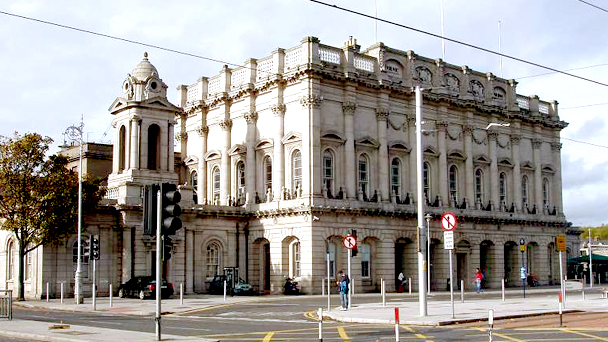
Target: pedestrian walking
pixel 343 284
pixel 478 279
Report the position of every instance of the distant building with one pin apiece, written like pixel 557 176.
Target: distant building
pixel 281 158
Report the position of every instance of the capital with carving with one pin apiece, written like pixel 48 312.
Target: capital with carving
pixel 411 121
pixel 251 117
pixel 202 131
pixel 556 147
pixel 134 117
pixel 181 136
pixel 442 126
pixel 468 129
pixel 492 135
pixel 278 109
pixel 382 114
pixel 536 143
pixel 226 124
pixel 349 107
pixel 515 139
pixel 311 100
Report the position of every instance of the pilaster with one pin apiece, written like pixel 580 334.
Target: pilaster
pixel 443 162
pixel 203 132
pixel 538 181
pixel 382 115
pixel 494 195
pixel 278 177
pixel 226 126
pixel 251 118
pixel 350 183
pixel 515 138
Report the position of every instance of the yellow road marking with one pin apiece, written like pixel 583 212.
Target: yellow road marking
pixel 343 333
pixel 411 330
pixel 506 337
pixel 599 338
pixel 268 336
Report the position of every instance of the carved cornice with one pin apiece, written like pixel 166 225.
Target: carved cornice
pixel 181 136
pixel 251 117
pixel 311 100
pixel 515 139
pixel 536 143
pixel 382 114
pixel 349 107
pixel 278 109
pixel 225 124
pixel 556 147
pixel 202 131
pixel 492 135
pixel 441 126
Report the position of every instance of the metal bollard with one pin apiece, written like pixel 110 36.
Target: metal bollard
pixel 111 295
pixel 61 292
pixel 409 284
pixel 397 324
pixel 462 290
pixel 491 324
pixel 503 289
pixel 94 298
pixel 181 293
pixel 320 314
pixel 47 291
pixel 224 291
pixel 383 290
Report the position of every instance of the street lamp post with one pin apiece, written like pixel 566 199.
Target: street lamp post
pixel 74 133
pixel 421 236
pixel 428 252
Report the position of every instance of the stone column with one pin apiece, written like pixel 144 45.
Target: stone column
pixel 134 144
pixel 468 166
pixel 411 122
pixel 278 167
pixel 383 175
pixel 311 154
pixel 538 180
pixel 226 126
pixel 251 118
pixel 350 183
pixel 557 182
pixel 443 163
pixel 516 170
pixel 189 261
pixel 203 132
pixel 492 136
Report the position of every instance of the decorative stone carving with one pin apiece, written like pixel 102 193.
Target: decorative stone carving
pixel 515 139
pixel 536 143
pixel 181 136
pixel 226 124
pixel 382 114
pixel 423 74
pixel 454 132
pixel 278 109
pixel 476 88
pixel 492 135
pixel 556 147
pixel 451 81
pixel 251 117
pixel 477 139
pixel 503 144
pixel 202 131
pixel 349 107
pixel 468 129
pixel 311 100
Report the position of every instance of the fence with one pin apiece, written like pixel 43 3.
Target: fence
pixel 6 304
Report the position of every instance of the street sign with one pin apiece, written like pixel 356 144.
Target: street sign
pixel 448 239
pixel 561 243
pixel 448 221
pixel 349 241
pixel 522 272
pixel 522 245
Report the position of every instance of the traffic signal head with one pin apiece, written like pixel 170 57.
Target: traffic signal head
pixel 167 248
pixel 171 211
pixel 150 205
pixel 354 251
pixel 95 247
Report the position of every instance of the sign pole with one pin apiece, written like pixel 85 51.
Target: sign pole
pixel 350 251
pixel 158 262
pixel 451 287
pixel 449 223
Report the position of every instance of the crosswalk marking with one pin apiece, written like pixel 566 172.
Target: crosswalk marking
pixel 595 337
pixel 343 333
pixel 268 336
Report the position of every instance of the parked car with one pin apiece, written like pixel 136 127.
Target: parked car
pixel 240 288
pixel 144 287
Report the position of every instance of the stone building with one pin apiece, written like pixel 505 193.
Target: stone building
pixel 281 158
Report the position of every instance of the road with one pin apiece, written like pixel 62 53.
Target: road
pixel 293 319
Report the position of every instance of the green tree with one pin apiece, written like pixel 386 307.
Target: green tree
pixel 600 232
pixel 38 195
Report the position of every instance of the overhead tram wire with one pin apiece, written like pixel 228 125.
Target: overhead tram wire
pixel 584 142
pixel 459 42
pixel 592 5
pixel 551 73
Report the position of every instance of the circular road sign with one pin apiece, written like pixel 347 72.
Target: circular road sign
pixel 449 221
pixel 349 241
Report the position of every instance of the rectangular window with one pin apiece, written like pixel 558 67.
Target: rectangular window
pixel 395 178
pixel 365 260
pixel 296 260
pixel 213 263
pixel 332 259
pixel 328 172
pixel 363 176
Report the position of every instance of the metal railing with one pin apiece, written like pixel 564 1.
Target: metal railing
pixel 6 304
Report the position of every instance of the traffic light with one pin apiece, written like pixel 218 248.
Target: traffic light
pixel 150 205
pixel 354 251
pixel 95 247
pixel 167 248
pixel 170 197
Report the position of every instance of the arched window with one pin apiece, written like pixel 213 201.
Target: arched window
pixel 240 176
pixel 267 173
pixel 454 184
pixel 84 252
pixel 213 259
pixel 194 182
pixel 153 147
pixel 331 250
pixel 395 176
pixel 363 175
pixel 328 171
pixel 10 257
pixel 122 139
pixel 296 270
pixel 524 190
pixel 365 259
pixel 479 186
pixel 546 192
pixel 502 187
pixel 296 171
pixel 216 184
pixel 426 180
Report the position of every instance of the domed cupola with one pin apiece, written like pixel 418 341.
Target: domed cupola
pixel 143 82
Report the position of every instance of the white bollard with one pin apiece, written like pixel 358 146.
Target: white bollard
pixel 320 313
pixel 503 289
pixel 181 293
pixel 491 324
pixel 94 297
pixel 322 287
pixel 462 290
pixel 47 291
pixel 111 295
pixel 409 284
pixel 224 291
pixel 328 294
pixel 397 324
pixel 61 292
pixel 383 290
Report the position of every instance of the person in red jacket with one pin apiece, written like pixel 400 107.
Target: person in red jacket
pixel 478 279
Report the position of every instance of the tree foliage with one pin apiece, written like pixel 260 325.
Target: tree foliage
pixel 38 195
pixel 601 232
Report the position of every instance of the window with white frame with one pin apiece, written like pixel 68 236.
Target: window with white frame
pixel 524 189
pixel 194 178
pixel 479 186
pixel 213 260
pixel 328 171
pixel 426 180
pixel 28 265
pixel 365 259
pixel 296 170
pixel 331 251
pixel 10 257
pixel 240 176
pixel 454 183
pixel 267 173
pixel 395 176
pixel 296 270
pixel 363 175
pixel 216 184
pixel 546 192
pixel 84 256
pixel 502 187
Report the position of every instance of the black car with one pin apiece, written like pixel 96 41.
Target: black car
pixel 144 287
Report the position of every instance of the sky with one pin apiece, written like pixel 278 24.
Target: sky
pixel 51 76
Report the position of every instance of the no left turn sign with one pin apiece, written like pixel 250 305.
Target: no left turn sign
pixel 448 221
pixel 350 241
